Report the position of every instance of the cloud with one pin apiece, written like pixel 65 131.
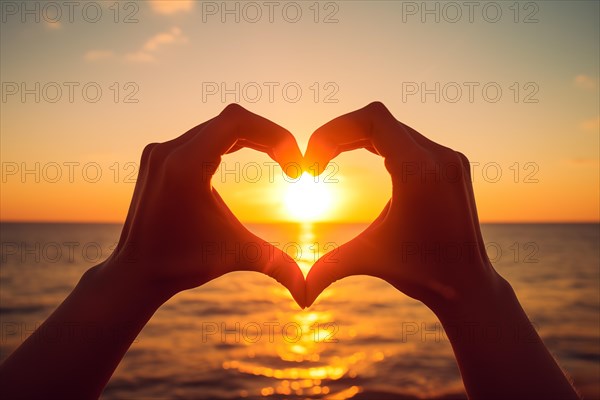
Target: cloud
pixel 173 36
pixel 586 82
pixel 591 125
pixel 94 55
pixel 147 53
pixel 152 45
pixel 169 7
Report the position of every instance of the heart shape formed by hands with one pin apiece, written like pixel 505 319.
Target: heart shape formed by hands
pixel 180 234
pixel 163 250
pixel 178 245
pixel 432 212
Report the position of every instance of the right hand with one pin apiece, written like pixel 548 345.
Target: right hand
pixel 426 242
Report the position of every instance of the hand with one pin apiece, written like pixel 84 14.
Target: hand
pixel 426 242
pixel 179 233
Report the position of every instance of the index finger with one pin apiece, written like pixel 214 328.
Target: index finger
pixel 372 127
pixel 237 127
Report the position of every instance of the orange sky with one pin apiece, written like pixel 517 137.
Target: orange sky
pixel 541 134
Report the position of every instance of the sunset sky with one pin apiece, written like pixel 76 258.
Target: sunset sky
pixel 541 133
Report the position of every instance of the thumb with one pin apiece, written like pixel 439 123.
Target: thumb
pixel 353 258
pixel 346 260
pixel 286 271
pixel 261 256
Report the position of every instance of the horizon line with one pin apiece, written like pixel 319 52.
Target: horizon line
pixel 341 222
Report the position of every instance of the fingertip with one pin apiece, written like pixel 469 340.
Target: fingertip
pixel 301 303
pixel 315 168
pixel 293 169
pixel 312 296
pixel 346 260
pixel 316 160
pixel 319 278
pixel 289 275
pixel 289 156
pixel 309 302
pixel 296 288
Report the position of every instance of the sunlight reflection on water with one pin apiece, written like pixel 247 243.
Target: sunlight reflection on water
pixel 243 335
pixel 313 331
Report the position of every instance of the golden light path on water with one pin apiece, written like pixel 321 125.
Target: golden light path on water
pixel 310 372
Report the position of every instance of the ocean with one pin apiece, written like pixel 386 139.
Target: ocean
pixel 242 335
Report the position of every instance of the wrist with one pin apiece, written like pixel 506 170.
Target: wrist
pixel 491 297
pixel 491 316
pixel 126 285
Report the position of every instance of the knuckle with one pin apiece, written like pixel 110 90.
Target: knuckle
pixel 378 108
pixel 465 163
pixel 173 166
pixel 450 161
pixel 444 154
pixel 146 153
pixel 153 157
pixel 463 159
pixel 149 159
pixel 232 110
pixel 158 154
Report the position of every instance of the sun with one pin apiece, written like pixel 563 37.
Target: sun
pixel 308 199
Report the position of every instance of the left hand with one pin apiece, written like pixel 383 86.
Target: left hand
pixel 179 233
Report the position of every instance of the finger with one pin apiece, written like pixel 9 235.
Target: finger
pixel 235 148
pixel 236 127
pixel 142 173
pixel 352 258
pixel 243 143
pixel 260 256
pixel 265 258
pixel 186 137
pixel 372 150
pixel 468 187
pixel 424 141
pixel 286 271
pixel 372 127
pixel 323 273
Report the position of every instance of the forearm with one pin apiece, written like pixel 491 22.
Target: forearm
pixel 76 350
pixel 499 353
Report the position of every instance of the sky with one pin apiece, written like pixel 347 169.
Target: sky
pixel 513 85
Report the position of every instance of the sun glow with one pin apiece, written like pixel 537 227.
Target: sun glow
pixel 308 199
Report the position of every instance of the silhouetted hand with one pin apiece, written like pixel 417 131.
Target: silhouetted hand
pixel 427 241
pixel 179 233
